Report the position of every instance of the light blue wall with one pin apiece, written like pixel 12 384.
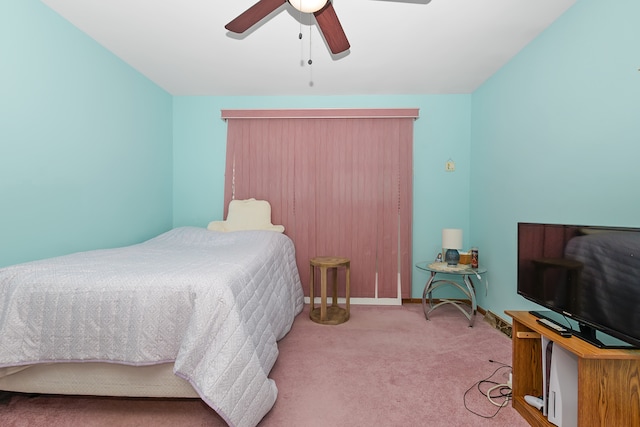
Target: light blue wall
pixel 556 137
pixel 85 141
pixel 441 199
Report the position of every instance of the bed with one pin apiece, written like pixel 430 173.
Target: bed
pixel 190 313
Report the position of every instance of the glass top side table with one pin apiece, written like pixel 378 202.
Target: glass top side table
pixel 467 287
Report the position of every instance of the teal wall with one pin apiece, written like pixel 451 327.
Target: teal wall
pixel 441 199
pixel 85 141
pixel 556 137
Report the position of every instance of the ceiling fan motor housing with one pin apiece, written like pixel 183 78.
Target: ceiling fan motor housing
pixel 308 6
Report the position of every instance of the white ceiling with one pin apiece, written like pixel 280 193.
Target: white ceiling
pixel 397 47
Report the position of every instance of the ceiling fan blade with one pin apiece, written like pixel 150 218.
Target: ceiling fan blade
pixel 253 15
pixel 331 29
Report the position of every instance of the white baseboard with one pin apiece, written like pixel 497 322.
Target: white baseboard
pixel 359 301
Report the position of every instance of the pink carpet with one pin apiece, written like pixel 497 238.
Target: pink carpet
pixel 386 366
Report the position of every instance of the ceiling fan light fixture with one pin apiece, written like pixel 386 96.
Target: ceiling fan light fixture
pixel 308 6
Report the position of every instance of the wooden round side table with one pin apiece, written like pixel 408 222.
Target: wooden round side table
pixel 334 314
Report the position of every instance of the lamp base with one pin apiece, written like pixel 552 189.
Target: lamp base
pixel 452 257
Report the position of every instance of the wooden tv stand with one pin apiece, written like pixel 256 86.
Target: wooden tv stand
pixel 608 380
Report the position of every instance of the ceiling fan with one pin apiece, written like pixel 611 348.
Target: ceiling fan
pixel 323 11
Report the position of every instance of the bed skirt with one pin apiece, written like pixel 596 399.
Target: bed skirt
pixel 97 379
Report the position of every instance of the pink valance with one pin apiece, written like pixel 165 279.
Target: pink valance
pixel 323 113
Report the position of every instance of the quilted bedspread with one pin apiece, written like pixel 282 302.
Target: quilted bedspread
pixel 213 303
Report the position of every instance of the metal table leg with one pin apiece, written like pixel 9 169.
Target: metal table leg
pixel 468 290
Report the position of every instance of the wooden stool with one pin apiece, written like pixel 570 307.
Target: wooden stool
pixel 333 315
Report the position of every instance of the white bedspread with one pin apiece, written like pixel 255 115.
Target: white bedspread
pixel 215 303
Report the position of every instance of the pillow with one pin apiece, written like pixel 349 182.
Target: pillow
pixel 250 214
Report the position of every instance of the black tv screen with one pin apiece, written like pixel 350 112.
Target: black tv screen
pixel 588 277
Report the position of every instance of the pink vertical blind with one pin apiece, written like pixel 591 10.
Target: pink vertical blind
pixel 340 181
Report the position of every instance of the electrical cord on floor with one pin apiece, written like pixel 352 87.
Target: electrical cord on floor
pixel 497 391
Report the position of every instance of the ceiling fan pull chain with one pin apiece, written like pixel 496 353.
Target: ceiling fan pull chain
pixel 310 61
pixel 300 22
pixel 300 37
pixel 310 50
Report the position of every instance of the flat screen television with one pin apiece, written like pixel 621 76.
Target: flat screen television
pixel 587 277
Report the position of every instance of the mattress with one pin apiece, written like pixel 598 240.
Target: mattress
pixel 213 305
